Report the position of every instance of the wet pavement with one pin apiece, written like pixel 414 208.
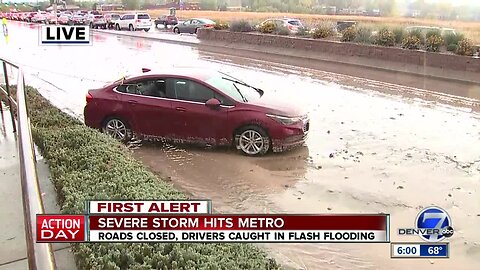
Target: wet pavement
pixel 373 146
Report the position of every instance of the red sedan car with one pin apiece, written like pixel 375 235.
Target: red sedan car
pixel 196 106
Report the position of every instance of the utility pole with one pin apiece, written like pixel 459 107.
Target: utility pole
pixel 55 11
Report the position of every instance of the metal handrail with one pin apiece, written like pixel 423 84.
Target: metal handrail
pixel 40 255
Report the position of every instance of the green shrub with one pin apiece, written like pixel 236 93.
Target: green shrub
pixel 364 35
pixel 86 164
pixel 411 42
pixel 385 37
pixel 433 32
pixel 433 43
pixel 465 47
pixel 283 31
pixel 349 34
pixel 323 30
pixel 267 27
pixel 303 32
pixel 219 25
pixel 452 47
pixel 399 33
pixel 451 38
pixel 240 26
pixel 418 34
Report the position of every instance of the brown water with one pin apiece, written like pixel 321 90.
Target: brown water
pixel 396 149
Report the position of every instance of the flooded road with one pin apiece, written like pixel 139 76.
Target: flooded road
pixel 373 147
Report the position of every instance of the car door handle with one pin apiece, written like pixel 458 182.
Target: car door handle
pixel 181 109
pixel 132 101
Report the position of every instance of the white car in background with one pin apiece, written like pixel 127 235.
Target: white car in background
pixel 134 21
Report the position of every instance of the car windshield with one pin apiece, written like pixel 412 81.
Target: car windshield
pixel 98 17
pixel 295 22
pixel 237 90
pixel 143 16
pixel 207 21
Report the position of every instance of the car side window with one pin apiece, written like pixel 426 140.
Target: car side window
pixel 191 91
pixel 151 87
pixel 186 22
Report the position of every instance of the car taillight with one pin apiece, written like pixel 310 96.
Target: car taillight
pixel 208 25
pixel 290 26
pixel 89 97
pixel 138 20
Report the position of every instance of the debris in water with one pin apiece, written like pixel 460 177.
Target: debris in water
pixel 319 167
pixel 328 131
pixel 346 177
pixel 449 195
pixel 329 209
pixel 342 123
pixel 392 118
pixel 299 198
pixel 400 187
pixel 331 155
pixel 286 186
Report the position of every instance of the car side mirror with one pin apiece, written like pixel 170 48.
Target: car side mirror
pixel 213 103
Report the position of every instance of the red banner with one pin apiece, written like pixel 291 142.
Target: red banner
pixel 238 222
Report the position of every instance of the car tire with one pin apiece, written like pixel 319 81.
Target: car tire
pixel 195 32
pixel 176 30
pixel 130 28
pixel 118 27
pixel 252 140
pixel 117 129
pixel 146 29
pixel 165 25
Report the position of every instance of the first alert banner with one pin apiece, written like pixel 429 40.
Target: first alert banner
pixel 214 228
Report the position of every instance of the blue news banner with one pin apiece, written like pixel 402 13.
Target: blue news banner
pixel 420 250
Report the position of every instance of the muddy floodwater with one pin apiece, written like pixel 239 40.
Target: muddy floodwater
pixel 373 146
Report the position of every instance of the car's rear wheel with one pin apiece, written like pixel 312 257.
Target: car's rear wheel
pixel 146 29
pixel 117 129
pixel 252 141
pixel 130 27
pixel 176 30
pixel 118 27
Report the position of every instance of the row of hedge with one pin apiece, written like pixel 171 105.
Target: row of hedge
pixel 432 41
pixel 86 164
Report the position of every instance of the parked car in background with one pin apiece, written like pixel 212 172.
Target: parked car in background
pixel 39 17
pixel 134 21
pixel 166 20
pixel 96 21
pixel 29 16
pixel 51 18
pixel 191 26
pixel 78 20
pixel 196 106
pixel 425 29
pixel 293 25
pixel 111 19
pixel 342 25
pixel 65 19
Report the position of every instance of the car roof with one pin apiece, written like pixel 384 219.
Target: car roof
pixel 192 72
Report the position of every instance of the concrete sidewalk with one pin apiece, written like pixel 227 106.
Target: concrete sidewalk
pixel 13 251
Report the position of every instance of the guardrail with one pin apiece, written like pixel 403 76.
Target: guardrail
pixel 40 255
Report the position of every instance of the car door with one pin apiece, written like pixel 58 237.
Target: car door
pixel 193 25
pixel 192 120
pixel 148 108
pixel 184 26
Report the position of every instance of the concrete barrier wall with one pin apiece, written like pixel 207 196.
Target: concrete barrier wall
pixel 442 65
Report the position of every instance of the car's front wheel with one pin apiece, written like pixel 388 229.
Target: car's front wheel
pixel 252 141
pixel 117 129
pixel 146 29
pixel 118 27
pixel 176 30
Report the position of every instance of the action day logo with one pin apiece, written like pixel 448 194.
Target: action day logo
pixel 433 224
pixel 65 34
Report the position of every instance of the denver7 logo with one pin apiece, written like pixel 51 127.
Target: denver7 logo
pixel 434 218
